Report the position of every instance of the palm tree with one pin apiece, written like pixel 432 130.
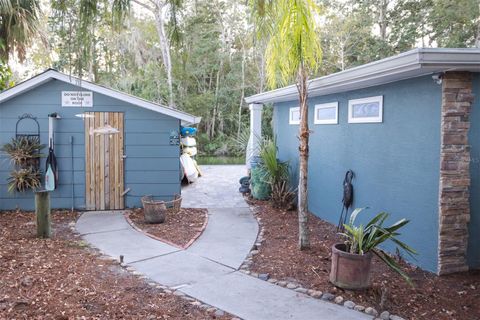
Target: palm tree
pixel 293 52
pixel 19 24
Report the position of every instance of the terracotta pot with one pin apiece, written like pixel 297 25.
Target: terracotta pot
pixel 349 270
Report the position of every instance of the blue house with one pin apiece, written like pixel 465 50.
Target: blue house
pixel 111 148
pixel 409 128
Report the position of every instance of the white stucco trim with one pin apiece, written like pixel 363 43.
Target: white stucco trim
pixel 50 74
pixel 410 64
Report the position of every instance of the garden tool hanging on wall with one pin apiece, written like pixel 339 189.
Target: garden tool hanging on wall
pixel 51 169
pixel 347 199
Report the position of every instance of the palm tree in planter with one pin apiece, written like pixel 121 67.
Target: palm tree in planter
pixel 351 260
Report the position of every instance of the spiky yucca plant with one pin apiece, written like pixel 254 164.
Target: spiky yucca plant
pixel 361 239
pixel 24 179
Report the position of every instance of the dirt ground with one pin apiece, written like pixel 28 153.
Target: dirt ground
pixel 62 278
pixel 454 296
pixel 178 228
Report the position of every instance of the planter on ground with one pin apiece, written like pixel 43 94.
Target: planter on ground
pixel 349 270
pixel 155 210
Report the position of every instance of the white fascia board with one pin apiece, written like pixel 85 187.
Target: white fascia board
pixel 36 81
pixel 413 63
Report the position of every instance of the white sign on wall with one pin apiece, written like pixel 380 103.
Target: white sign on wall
pixel 77 99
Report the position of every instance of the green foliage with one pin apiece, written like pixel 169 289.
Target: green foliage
pixel 361 239
pixel 277 175
pixel 5 77
pixel 24 179
pixel 19 24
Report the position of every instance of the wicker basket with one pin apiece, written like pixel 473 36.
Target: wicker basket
pixel 155 210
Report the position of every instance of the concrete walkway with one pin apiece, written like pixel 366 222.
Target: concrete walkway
pixel 208 270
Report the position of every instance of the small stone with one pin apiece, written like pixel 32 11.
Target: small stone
pixel 339 300
pixel 152 284
pixel 254 252
pixel 328 296
pixel 301 290
pixel 205 306
pixel 272 280
pixel 168 291
pixel 291 285
pixel 394 317
pixel 359 308
pixel 282 283
pixel 196 303
pixel 371 311
pixel 349 304
pixel 263 276
pixel 316 294
pixel 219 313
pixel 212 309
pixel 385 315
pixel 254 274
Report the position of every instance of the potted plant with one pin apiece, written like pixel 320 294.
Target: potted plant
pixel 351 260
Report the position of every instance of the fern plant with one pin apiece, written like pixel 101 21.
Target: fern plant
pixel 361 239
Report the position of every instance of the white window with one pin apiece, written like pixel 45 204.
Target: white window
pixel 294 117
pixel 326 113
pixel 365 110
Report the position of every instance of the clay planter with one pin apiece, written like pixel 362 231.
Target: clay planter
pixel 349 270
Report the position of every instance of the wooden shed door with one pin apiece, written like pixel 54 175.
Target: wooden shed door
pixel 104 161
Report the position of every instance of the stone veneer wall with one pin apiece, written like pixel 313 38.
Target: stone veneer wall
pixel 454 193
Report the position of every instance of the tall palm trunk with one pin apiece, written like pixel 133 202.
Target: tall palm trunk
pixel 304 133
pixel 165 49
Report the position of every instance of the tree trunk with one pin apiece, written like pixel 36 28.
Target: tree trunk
pixel 242 95
pixel 304 133
pixel 42 211
pixel 165 49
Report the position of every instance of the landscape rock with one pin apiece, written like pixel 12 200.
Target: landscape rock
pixel 263 276
pixel 315 294
pixel 359 308
pixel 385 315
pixel 394 317
pixel 219 313
pixel 371 311
pixel 328 296
pixel 301 290
pixel 339 300
pixel 272 280
pixel 282 283
pixel 292 285
pixel 349 304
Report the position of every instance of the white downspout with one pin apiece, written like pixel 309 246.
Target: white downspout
pixel 255 131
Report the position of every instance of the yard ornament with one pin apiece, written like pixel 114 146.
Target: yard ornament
pixel 347 199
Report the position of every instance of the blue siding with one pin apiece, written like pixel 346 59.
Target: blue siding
pixel 396 162
pixel 474 227
pixel 152 166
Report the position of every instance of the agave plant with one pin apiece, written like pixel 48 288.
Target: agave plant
pixel 361 239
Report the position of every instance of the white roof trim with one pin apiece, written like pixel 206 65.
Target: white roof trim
pixel 53 74
pixel 410 64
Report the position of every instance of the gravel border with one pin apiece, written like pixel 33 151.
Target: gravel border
pixel 326 296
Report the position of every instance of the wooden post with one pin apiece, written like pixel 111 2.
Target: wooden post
pixel 42 211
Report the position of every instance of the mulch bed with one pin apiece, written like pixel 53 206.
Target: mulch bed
pixel 454 296
pixel 62 278
pixel 179 229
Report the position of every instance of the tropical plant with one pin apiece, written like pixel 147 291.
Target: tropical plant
pixel 19 25
pixel 276 173
pixel 361 239
pixel 293 51
pixel 24 151
pixel 24 179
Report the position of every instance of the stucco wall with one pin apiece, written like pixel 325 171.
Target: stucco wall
pixel 151 167
pixel 474 136
pixel 396 162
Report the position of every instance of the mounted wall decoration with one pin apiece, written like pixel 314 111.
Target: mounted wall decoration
pixel 366 110
pixel 294 116
pixel 174 138
pixel 326 113
pixel 81 99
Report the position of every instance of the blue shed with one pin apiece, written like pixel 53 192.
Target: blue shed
pixel 111 148
pixel 409 127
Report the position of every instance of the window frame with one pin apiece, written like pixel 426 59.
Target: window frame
pixel 290 119
pixel 328 105
pixel 376 119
